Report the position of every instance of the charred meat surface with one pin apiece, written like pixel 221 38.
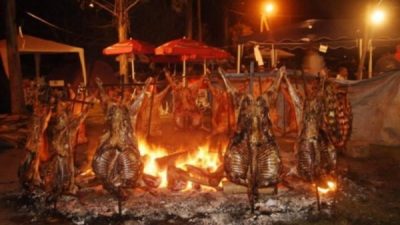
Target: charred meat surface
pixel 337 115
pixel 252 157
pixel 319 128
pixel 185 110
pixel 117 160
pixel 63 129
pixel 36 144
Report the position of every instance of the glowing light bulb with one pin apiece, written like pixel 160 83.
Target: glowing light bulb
pixel 378 16
pixel 269 8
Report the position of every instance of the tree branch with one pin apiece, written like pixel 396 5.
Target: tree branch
pixel 131 5
pixel 107 8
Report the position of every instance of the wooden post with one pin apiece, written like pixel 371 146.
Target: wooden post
pixel 151 108
pixel 371 49
pixel 226 26
pixel 123 22
pixel 14 64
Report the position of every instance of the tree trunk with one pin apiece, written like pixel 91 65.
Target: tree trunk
pixel 14 64
pixel 189 19
pixel 199 23
pixel 123 22
pixel 226 26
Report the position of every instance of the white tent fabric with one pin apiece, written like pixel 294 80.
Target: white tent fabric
pixel 375 104
pixel 33 45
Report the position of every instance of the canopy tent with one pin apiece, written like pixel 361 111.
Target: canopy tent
pixel 266 53
pixel 333 33
pixel 34 45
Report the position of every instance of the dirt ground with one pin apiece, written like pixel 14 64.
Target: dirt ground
pixel 374 182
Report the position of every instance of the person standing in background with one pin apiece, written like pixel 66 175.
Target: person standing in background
pixel 313 62
pixel 343 73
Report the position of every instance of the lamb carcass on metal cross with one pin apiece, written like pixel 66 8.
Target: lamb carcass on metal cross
pixel 252 157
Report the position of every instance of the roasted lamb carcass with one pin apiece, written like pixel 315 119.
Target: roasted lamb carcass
pixel 60 172
pixel 79 100
pixel 337 115
pixel 222 111
pixel 148 113
pixel 222 117
pixel 186 113
pixel 117 160
pixel 315 151
pixel 36 145
pixel 252 157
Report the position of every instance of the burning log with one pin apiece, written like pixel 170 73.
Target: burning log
pixel 177 178
pixel 151 181
pixel 203 177
pixel 164 162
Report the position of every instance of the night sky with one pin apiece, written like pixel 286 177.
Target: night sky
pixel 156 22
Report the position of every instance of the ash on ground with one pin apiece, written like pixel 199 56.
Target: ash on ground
pixel 96 206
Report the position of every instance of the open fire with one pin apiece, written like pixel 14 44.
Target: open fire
pixel 157 159
pixel 329 187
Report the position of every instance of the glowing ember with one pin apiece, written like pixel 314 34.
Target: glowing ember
pixel 202 158
pixel 88 172
pixel 330 186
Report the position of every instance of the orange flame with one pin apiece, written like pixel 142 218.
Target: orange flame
pixel 202 158
pixel 330 186
pixel 150 154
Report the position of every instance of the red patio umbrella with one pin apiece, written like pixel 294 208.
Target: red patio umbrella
pixel 132 47
pixel 190 50
pixel 129 46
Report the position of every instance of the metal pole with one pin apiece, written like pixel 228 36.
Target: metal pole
pixel 360 69
pixel 133 67
pixel 184 72
pixel 238 59
pixel 204 67
pixel 251 74
pixel 370 58
pixel 272 55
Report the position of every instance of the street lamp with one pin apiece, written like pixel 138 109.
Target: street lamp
pixel 268 10
pixel 377 17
